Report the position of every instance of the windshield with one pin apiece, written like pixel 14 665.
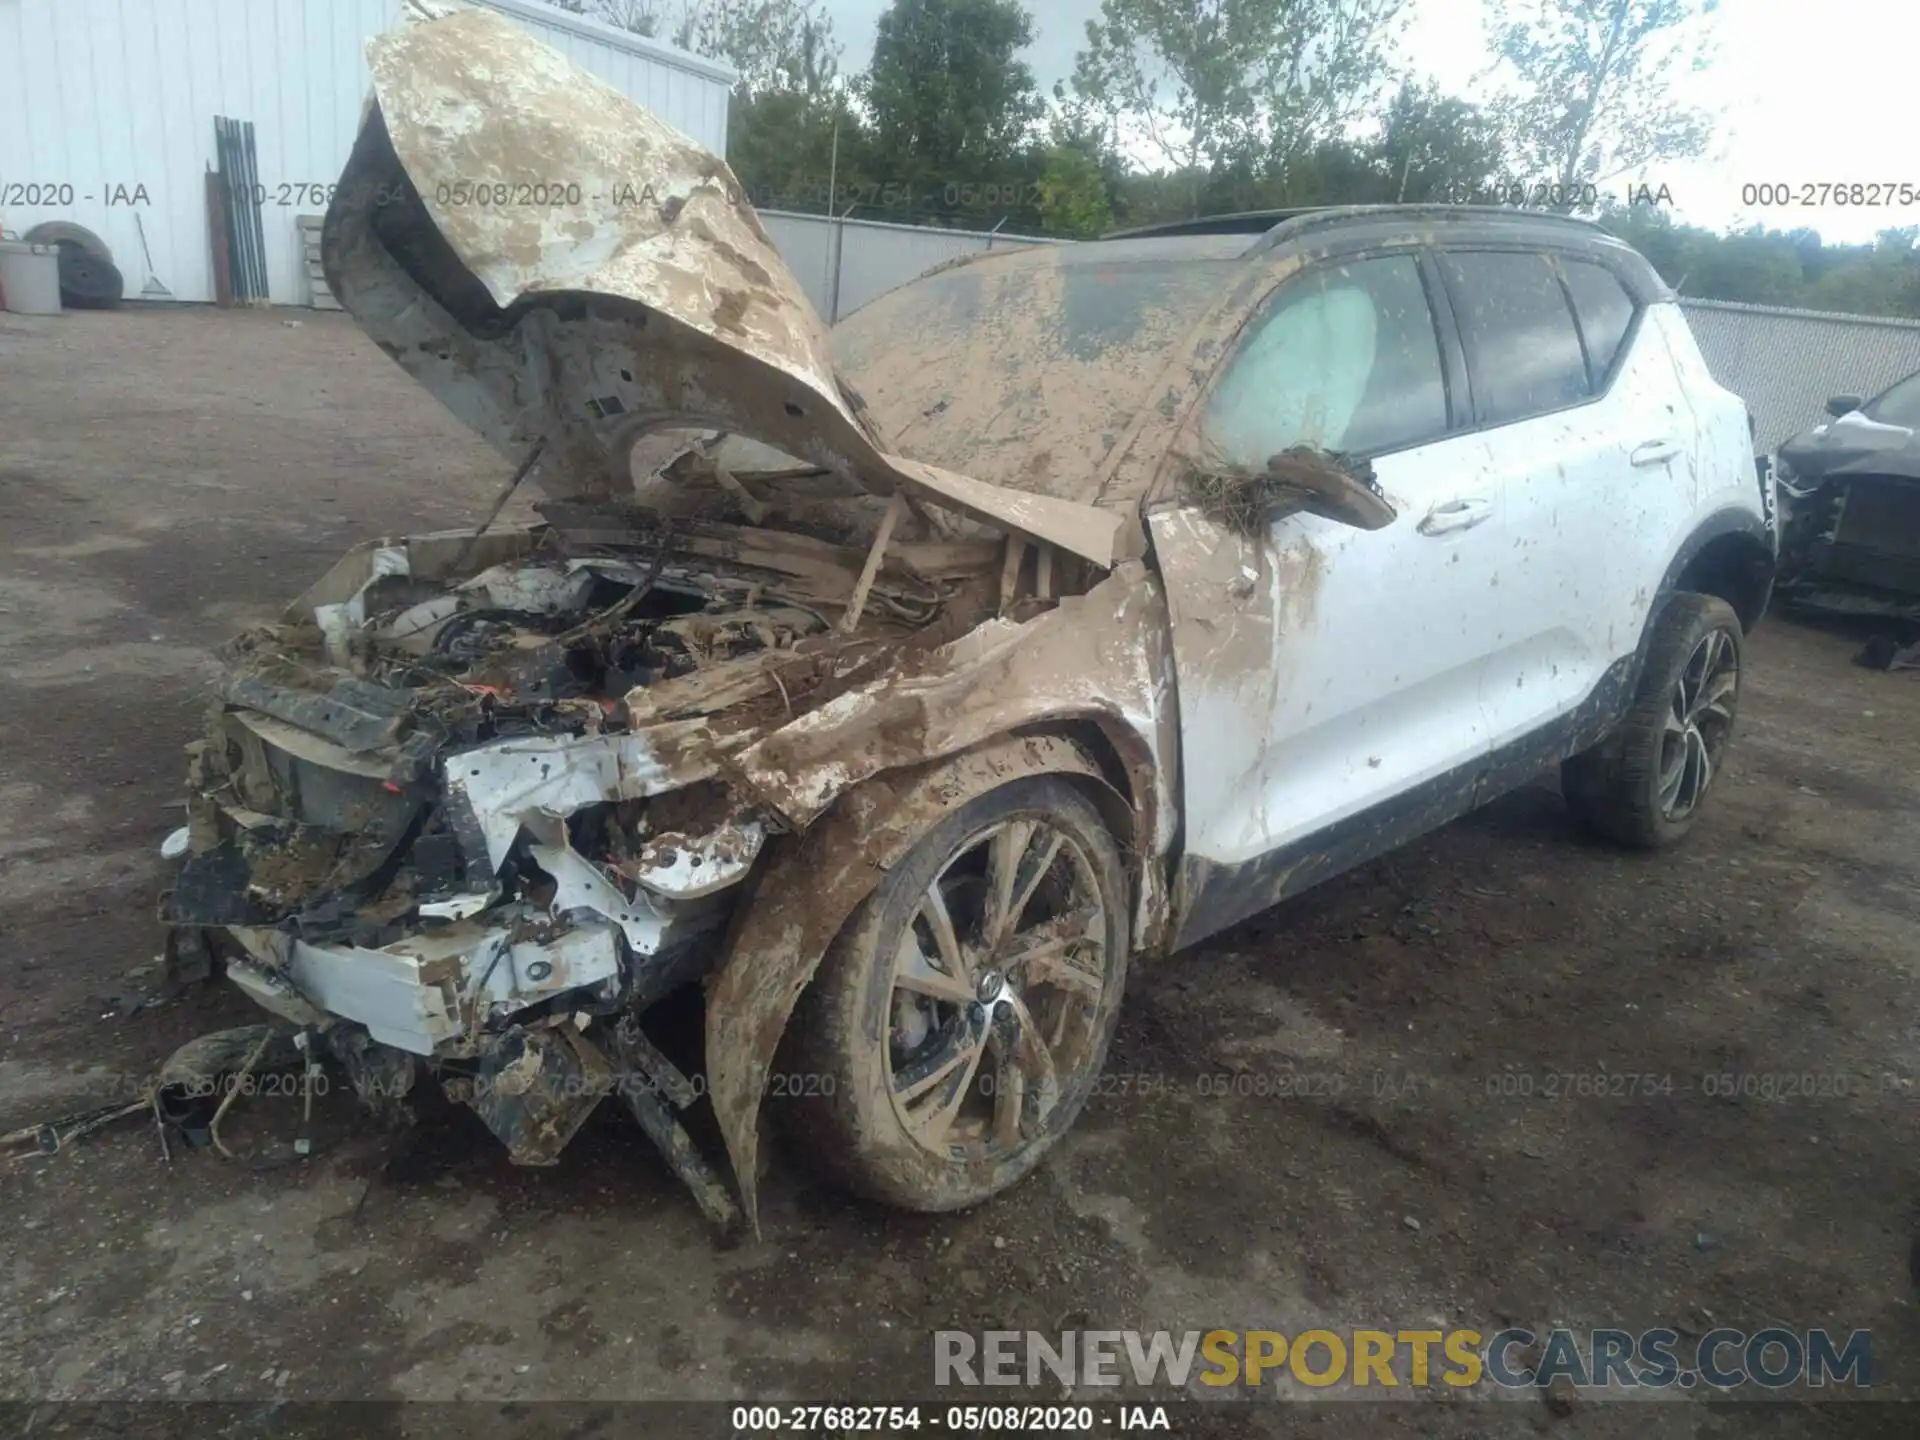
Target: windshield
pixel 1025 370
pixel 1897 405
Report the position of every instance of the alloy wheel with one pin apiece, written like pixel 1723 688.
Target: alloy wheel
pixel 1698 722
pixel 997 984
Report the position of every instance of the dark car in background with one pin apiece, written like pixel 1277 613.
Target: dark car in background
pixel 1850 508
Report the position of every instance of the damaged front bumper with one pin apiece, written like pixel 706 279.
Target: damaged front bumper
pixel 480 801
pixel 460 853
pixel 1850 545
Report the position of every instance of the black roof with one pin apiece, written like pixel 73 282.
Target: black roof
pixel 1267 230
pixel 1264 222
pixel 1243 222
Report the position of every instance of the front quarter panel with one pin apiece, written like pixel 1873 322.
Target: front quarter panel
pixel 1102 657
pixel 868 773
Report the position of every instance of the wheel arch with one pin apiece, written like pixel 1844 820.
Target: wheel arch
pixel 1729 556
pixel 810 883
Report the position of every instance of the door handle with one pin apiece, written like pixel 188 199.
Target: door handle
pixel 1456 515
pixel 1655 452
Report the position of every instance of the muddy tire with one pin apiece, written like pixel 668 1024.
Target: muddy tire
pixel 1644 785
pixel 958 1024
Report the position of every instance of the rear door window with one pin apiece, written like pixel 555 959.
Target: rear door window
pixel 1605 310
pixel 1523 352
pixel 1342 358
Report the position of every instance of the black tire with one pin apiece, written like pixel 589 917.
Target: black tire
pixel 87 282
pixel 69 236
pixel 1624 788
pixel 850 1054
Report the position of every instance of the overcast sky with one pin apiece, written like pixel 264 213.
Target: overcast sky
pixel 1803 91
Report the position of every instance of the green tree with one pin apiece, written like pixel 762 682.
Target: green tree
pixel 1324 69
pixel 1593 84
pixel 785 146
pixel 1175 76
pixel 1248 86
pixel 1757 266
pixel 1883 279
pixel 1431 147
pixel 949 102
pixel 778 46
pixel 789 101
pixel 1073 197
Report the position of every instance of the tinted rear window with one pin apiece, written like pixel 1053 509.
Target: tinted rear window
pixel 1605 310
pixel 1024 370
pixel 1522 348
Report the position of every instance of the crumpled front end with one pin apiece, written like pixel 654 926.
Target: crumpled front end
pixel 476 805
pixel 481 799
pixel 440 806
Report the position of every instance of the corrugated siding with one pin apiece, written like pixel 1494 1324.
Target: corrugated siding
pixel 99 94
pixel 690 93
pixel 1786 363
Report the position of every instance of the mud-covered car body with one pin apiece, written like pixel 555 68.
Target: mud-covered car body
pixel 1850 491
pixel 482 799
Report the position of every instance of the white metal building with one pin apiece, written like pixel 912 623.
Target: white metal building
pixel 107 109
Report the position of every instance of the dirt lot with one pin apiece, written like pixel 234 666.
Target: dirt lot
pixel 166 476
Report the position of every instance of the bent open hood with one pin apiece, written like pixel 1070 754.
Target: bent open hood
pixel 556 263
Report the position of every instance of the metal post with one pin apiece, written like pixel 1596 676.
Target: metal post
pixel 833 199
pixel 837 249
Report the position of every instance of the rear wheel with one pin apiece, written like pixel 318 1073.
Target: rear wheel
pixel 959 1022
pixel 1644 785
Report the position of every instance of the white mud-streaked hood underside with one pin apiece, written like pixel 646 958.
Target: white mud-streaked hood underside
pixel 554 262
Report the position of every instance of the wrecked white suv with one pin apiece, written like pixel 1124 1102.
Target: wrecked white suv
pixel 904 683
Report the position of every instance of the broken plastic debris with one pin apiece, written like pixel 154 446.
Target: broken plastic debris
pixel 458 907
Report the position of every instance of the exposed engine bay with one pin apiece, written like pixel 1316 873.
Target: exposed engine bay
pixel 482 798
pixel 471 784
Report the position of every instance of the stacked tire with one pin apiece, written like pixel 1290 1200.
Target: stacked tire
pixel 89 280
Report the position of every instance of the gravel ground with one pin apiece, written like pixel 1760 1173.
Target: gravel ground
pixel 168 475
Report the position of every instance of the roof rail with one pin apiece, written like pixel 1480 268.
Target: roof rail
pixel 1244 222
pixel 1267 223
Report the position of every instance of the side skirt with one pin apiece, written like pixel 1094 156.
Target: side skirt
pixel 1210 897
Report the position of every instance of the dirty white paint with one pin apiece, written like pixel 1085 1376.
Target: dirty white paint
pixel 693 319
pixel 415 994
pixel 581 892
pixel 1354 666
pixel 339 622
pixel 512 781
pixel 469 101
pixel 688 867
pixel 383 990
pixel 113 97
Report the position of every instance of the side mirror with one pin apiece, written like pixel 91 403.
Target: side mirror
pixel 1302 478
pixel 1843 405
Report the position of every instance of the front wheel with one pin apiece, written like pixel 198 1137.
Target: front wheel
pixel 960 1020
pixel 1645 784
